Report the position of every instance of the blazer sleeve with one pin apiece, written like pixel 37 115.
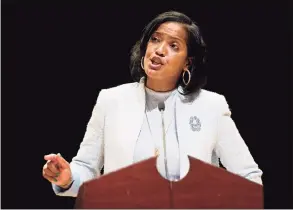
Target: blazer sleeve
pixel 88 162
pixel 232 149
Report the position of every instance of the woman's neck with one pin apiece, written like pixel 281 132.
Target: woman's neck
pixel 159 86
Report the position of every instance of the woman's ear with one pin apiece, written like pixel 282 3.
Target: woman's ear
pixel 188 63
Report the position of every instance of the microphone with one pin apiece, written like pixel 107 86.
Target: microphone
pixel 161 107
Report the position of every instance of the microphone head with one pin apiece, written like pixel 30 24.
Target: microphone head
pixel 161 106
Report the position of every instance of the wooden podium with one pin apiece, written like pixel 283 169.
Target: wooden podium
pixel 141 186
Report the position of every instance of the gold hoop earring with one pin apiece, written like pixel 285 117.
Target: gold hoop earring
pixel 141 63
pixel 189 77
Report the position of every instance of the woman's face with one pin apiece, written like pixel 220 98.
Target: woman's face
pixel 166 53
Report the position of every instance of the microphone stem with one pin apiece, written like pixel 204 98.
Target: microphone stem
pixel 164 145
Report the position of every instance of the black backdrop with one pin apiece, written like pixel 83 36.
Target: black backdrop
pixel 56 56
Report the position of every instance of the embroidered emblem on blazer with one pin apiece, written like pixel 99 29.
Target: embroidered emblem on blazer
pixel 194 123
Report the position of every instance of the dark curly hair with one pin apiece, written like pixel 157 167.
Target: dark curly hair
pixel 196 50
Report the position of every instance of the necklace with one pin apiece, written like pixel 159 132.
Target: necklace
pixel 172 176
pixel 156 149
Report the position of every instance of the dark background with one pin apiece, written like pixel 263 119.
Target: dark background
pixel 56 56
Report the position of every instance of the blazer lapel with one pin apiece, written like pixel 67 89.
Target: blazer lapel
pixel 183 112
pixel 131 122
pixel 138 115
pixel 180 123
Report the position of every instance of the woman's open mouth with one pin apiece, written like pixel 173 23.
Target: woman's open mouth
pixel 155 64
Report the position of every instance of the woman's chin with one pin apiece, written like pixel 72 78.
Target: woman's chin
pixel 156 74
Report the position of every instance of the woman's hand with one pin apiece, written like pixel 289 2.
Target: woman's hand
pixel 57 170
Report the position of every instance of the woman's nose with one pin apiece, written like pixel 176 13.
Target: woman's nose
pixel 161 51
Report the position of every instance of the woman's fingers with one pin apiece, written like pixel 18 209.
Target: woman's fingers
pixel 50 173
pixel 52 166
pixel 51 157
pixel 49 178
pixel 62 162
pixel 57 170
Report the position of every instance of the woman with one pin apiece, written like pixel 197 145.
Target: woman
pixel 167 65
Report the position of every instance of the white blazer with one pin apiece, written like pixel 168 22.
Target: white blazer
pixel 117 118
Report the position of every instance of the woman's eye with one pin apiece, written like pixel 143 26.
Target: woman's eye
pixel 174 46
pixel 154 39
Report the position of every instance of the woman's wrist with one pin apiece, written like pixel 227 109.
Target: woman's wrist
pixel 68 185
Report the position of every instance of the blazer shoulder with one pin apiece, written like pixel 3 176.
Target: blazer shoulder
pixel 119 90
pixel 216 100
pixel 210 95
